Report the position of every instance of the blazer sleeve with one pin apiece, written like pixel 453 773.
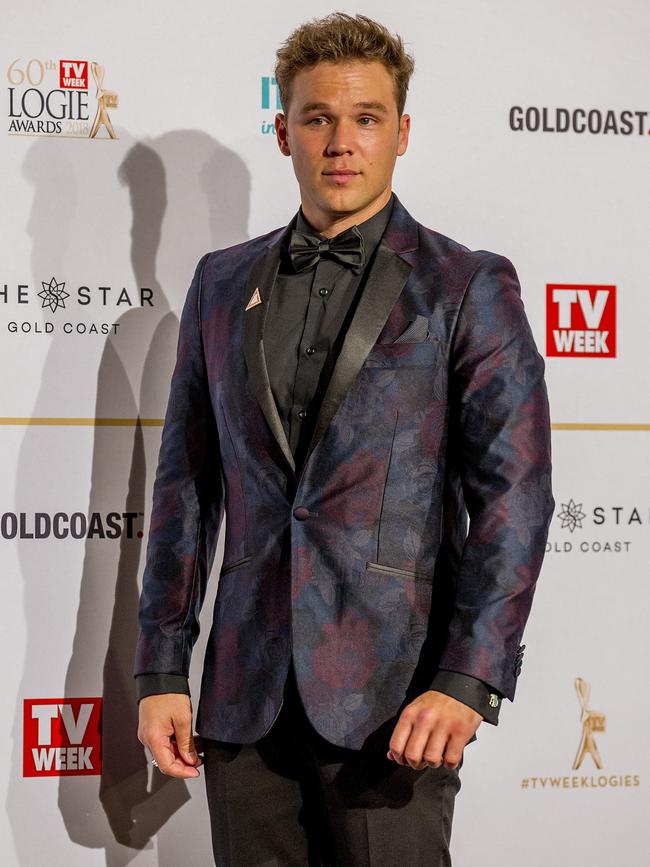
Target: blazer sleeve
pixel 501 435
pixel 187 508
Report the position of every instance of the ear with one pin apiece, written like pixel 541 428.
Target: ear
pixel 403 134
pixel 281 133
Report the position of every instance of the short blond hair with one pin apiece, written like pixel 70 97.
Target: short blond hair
pixel 341 37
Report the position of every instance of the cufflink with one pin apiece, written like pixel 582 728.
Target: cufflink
pixel 494 700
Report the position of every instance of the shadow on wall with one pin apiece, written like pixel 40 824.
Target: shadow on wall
pixel 187 194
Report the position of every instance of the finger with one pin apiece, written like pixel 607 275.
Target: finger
pixel 180 768
pixel 183 736
pixel 425 726
pixel 186 750
pixel 453 752
pixel 399 738
pixel 165 752
pixel 162 751
pixel 177 754
pixel 435 748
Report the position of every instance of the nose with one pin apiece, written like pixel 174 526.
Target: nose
pixel 340 141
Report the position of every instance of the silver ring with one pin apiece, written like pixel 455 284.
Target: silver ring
pixel 154 763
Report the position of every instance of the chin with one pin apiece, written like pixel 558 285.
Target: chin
pixel 344 201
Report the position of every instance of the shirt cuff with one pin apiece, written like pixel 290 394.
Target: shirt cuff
pixel 471 691
pixel 156 684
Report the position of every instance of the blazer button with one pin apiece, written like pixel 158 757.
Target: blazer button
pixel 301 512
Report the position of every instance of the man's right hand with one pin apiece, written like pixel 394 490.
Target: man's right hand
pixel 165 728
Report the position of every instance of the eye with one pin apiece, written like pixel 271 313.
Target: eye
pixel 316 118
pixel 367 118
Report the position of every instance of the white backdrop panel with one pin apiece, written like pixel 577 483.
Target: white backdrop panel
pixel 190 171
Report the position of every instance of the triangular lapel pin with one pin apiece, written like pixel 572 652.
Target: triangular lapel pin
pixel 255 299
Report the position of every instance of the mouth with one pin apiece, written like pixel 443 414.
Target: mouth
pixel 341 176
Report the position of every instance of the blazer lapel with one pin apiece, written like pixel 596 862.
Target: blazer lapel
pixel 262 279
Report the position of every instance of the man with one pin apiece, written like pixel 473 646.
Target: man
pixel 348 389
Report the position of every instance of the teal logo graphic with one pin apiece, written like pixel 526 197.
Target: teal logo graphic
pixel 270 93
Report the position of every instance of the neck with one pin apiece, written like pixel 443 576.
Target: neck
pixel 330 223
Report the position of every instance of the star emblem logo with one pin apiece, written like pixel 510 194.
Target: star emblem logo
pixel 571 515
pixel 53 295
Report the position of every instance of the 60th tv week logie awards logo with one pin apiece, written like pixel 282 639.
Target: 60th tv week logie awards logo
pixel 54 98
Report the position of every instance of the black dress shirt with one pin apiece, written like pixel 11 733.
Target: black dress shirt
pixel 308 317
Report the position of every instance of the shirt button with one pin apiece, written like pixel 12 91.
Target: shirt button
pixel 323 291
pixel 302 413
pixel 301 512
pixel 310 350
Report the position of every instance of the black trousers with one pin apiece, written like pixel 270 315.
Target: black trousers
pixel 294 798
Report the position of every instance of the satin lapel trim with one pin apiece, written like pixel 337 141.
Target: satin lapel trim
pixel 386 279
pixel 262 276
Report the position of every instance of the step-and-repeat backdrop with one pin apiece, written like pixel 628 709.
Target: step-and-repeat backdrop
pixel 138 136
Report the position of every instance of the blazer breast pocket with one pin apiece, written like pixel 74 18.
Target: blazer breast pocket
pixel 415 346
pixel 416 331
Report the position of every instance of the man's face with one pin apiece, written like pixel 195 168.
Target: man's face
pixel 343 118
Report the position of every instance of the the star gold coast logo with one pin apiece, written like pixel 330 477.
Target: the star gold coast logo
pixel 600 528
pixel 592 722
pixel 54 98
pixel 78 300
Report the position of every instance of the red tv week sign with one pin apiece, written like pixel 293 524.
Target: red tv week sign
pixel 73 74
pixel 580 320
pixel 61 736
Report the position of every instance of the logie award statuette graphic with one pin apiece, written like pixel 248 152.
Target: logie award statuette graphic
pixel 592 721
pixel 105 99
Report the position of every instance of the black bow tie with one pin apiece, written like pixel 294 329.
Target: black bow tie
pixel 306 250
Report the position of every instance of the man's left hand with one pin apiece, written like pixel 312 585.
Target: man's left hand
pixel 433 730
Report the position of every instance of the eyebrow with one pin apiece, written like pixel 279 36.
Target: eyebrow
pixel 324 106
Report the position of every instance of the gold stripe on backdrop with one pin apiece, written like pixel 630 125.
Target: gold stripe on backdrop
pixel 571 425
pixel 83 422
pixel 158 422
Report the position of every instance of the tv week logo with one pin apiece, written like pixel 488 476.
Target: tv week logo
pixel 580 320
pixel 61 736
pixel 73 74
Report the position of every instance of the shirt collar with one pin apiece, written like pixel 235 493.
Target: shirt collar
pixel 371 229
